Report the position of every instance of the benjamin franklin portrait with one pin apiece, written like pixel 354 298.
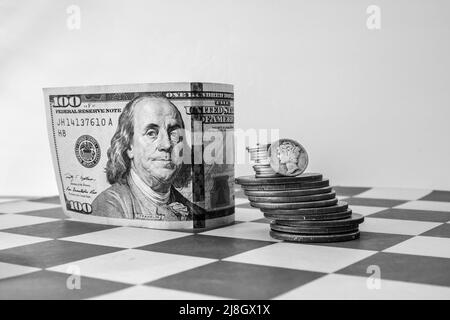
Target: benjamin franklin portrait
pixel 145 164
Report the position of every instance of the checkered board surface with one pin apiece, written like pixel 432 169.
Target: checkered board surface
pixel 405 236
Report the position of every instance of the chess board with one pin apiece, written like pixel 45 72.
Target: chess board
pixel 403 253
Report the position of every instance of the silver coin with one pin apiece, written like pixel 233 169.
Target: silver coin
pixel 265 168
pixel 265 171
pixel 313 230
pixel 259 147
pixel 270 173
pixel 354 220
pixel 289 199
pixel 288 157
pixel 286 186
pixel 314 238
pixel 251 181
pixel 341 206
pixel 266 175
pixel 287 193
pixel 289 218
pixel 294 205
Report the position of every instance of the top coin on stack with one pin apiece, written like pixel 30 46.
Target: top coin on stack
pixel 287 157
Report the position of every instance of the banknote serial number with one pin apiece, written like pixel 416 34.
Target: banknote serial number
pixel 229 310
pixel 84 122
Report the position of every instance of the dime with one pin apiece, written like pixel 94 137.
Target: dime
pixel 260 152
pixel 290 186
pixel 288 157
pixel 251 180
pixel 267 169
pixel 289 218
pixel 273 173
pixel 294 205
pixel 314 238
pixel 354 220
pixel 289 199
pixel 262 167
pixel 259 146
pixel 257 172
pixel 287 193
pixel 339 207
pixel 310 230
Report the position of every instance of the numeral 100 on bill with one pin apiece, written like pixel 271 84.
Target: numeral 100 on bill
pixel 66 101
pixel 79 207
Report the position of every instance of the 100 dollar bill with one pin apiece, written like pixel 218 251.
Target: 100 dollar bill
pixel 150 155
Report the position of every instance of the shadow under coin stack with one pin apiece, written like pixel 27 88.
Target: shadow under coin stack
pixel 302 208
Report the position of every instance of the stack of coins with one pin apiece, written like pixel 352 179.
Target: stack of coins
pixel 260 157
pixel 301 208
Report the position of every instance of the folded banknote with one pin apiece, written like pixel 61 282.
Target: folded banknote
pixel 148 155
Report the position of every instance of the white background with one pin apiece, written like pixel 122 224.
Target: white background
pixel 370 106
